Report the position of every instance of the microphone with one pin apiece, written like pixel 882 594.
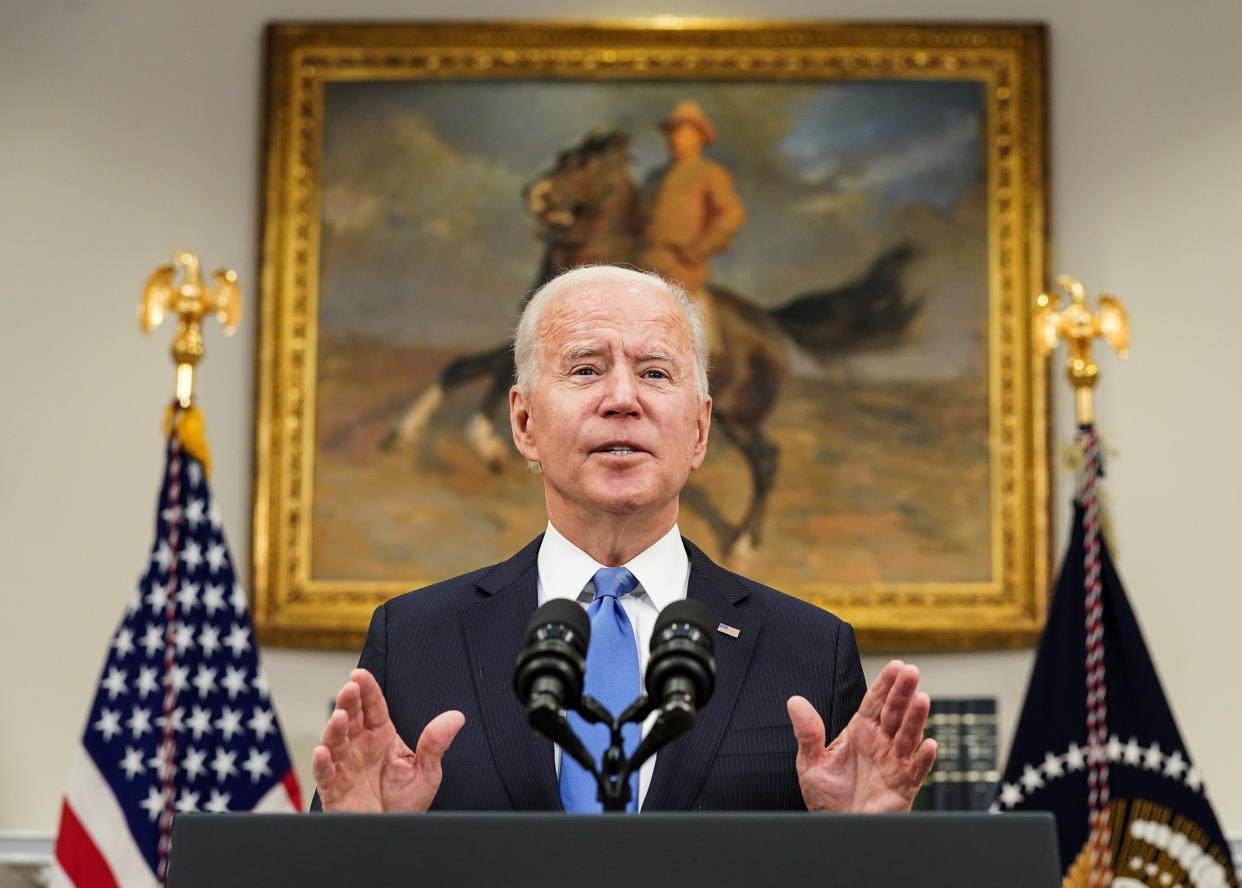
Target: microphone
pixel 681 671
pixel 548 672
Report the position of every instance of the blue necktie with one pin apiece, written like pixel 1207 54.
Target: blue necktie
pixel 612 679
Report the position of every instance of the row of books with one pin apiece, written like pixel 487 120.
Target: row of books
pixel 965 775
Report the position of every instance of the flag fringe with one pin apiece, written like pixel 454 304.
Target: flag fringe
pixel 191 430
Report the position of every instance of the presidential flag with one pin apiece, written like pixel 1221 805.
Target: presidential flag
pixel 183 718
pixel 1097 744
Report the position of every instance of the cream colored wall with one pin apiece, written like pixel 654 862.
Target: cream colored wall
pixel 131 127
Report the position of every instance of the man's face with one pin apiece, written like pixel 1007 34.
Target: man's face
pixel 615 419
pixel 685 140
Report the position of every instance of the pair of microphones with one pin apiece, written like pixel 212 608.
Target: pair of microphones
pixel 548 677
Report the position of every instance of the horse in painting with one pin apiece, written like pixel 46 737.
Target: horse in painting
pixel 587 209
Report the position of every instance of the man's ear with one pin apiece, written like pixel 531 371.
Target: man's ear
pixel 703 427
pixel 520 421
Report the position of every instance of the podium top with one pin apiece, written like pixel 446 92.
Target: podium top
pixel 657 850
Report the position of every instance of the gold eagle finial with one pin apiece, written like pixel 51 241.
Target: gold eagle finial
pixel 191 301
pixel 1079 327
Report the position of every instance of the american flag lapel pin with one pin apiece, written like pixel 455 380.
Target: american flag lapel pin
pixel 728 630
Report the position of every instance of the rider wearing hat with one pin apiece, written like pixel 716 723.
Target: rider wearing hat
pixel 694 209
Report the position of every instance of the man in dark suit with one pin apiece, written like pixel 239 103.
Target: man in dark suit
pixel 611 406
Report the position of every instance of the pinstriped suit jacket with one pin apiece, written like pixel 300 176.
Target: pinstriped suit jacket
pixel 453 645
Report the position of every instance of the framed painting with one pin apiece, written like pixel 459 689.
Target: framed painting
pixel 880 439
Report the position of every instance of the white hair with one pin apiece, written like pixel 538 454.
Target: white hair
pixel 587 280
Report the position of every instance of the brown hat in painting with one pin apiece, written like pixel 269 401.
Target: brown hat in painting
pixel 687 111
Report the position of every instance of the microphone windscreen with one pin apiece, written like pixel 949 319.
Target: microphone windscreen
pixel 562 612
pixel 685 611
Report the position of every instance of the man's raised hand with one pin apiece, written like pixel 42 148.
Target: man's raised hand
pixel 362 764
pixel 879 761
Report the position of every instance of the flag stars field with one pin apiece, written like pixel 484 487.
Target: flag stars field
pixel 262 723
pixel 229 723
pixel 192 555
pixel 132 764
pixel 153 804
pixel 148 681
pixel 1052 766
pixel 256 764
pixel 209 640
pixel 205 680
pixel 234 681
pixel 224 764
pixel 109 724
pixel 183 638
pixel 188 801
pixel 115 683
pixel 260 682
pixel 187 596
pixel 193 765
pixel 213 599
pixel 157 597
pixel 194 513
pixel 184 646
pixel 180 678
pixel 139 721
pixel 215 558
pixel 218 803
pixel 238 640
pixel 123 644
pixel 152 639
pixel 199 722
pixel 162 557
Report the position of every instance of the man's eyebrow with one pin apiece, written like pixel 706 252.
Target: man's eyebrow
pixel 577 352
pixel 656 355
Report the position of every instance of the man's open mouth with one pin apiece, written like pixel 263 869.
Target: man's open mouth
pixel 620 449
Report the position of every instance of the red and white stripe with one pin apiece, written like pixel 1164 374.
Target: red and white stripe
pixel 94 847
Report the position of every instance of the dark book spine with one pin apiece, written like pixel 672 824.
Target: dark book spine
pixel 979 752
pixel 946 777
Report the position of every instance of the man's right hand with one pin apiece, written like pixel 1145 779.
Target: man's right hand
pixel 362 764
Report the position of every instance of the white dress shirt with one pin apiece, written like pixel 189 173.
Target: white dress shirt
pixel 662 571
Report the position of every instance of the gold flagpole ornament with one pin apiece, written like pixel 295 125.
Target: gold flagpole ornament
pixel 190 300
pixel 1078 326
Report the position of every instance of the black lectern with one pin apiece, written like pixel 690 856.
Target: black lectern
pixel 645 851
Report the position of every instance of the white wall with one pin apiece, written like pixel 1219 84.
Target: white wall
pixel 131 127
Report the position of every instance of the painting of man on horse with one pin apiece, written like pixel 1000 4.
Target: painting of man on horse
pixel 781 353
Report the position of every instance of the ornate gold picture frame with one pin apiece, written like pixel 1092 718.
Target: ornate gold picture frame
pixel 893 177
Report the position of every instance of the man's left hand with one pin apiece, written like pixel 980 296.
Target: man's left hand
pixel 879 761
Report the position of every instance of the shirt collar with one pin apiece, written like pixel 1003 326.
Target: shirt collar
pixel 661 569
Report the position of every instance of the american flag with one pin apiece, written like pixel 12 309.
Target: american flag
pixel 183 718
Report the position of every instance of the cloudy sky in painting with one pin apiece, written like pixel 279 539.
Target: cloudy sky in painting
pixel 425 239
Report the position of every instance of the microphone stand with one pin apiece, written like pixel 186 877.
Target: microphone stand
pixel 676 716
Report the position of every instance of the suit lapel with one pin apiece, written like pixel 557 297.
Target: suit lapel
pixel 682 766
pixel 493 629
